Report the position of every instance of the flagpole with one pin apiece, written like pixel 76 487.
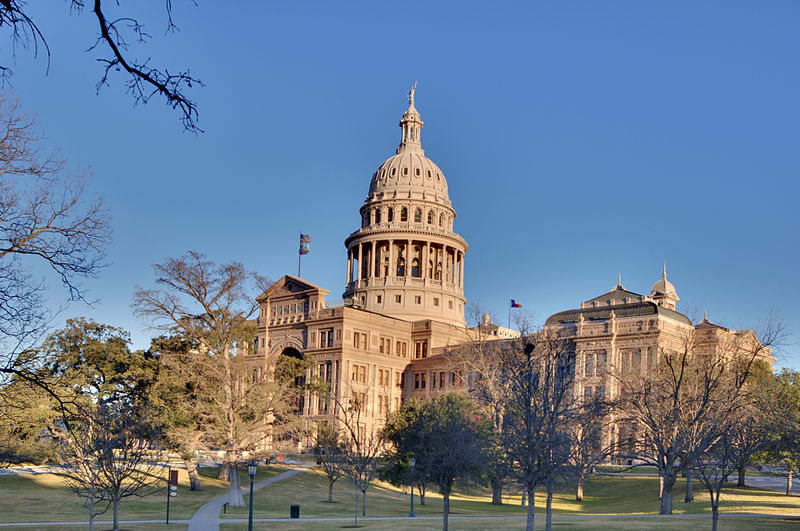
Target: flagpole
pixel 509 315
pixel 299 257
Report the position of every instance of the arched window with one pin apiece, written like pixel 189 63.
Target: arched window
pixel 365 220
pixel 418 215
pixel 430 217
pixel 415 267
pixel 441 220
pixel 377 215
pixel 404 214
pixel 401 266
pixel 430 268
pixel 390 215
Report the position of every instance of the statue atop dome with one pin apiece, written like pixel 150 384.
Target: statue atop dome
pixel 411 94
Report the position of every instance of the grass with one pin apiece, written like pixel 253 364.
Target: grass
pixel 45 498
pixel 31 498
pixel 593 524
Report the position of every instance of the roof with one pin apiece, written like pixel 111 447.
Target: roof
pixel 618 294
pixel 620 310
pixel 289 284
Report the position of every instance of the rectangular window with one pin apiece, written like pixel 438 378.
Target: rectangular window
pixel 441 379
pixel 416 380
pixel 420 349
pixel 294 308
pixel 417 299
pixel 378 299
pixel 422 380
pixel 355 373
pixel 587 392
pixel 436 301
pixel 362 374
pixel 589 367
pixel 398 380
pixel 398 298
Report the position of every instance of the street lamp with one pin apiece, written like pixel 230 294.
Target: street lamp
pixel 252 468
pixel 412 462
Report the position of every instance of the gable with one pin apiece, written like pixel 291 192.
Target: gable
pixel 289 286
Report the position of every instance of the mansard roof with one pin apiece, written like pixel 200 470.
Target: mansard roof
pixel 620 310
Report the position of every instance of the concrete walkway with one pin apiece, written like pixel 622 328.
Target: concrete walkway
pixel 207 517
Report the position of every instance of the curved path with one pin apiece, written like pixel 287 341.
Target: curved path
pixel 207 516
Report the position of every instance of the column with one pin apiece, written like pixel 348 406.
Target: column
pixel 360 260
pixel 392 260
pixel 349 266
pixel 427 260
pixel 461 272
pixel 373 260
pixel 408 259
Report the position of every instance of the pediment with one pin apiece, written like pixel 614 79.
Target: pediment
pixel 289 285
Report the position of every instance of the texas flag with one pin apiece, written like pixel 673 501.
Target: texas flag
pixel 515 304
pixel 305 238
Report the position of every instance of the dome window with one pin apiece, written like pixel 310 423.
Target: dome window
pixel 377 215
pixel 441 220
pixel 430 217
pixel 429 174
pixel 438 177
pixel 418 216
pixel 417 172
pixel 390 215
pixel 404 214
pixel 405 171
pixel 393 169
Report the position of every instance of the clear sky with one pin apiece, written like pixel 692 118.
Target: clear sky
pixel 580 140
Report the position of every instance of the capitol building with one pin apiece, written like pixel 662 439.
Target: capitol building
pixel 403 313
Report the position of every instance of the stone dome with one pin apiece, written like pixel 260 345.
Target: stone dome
pixel 407 170
pixel 663 286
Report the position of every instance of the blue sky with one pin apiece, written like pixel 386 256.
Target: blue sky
pixel 579 140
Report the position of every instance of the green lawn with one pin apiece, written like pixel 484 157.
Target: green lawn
pixel 44 498
pixel 603 495
pixel 593 524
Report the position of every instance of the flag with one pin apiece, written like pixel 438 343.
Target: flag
pixel 515 304
pixel 305 238
pixel 305 248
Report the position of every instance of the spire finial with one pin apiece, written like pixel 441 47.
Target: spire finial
pixel 705 315
pixel 411 94
pixel 619 281
pixel 664 274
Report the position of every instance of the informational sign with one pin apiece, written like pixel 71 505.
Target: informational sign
pixel 173 477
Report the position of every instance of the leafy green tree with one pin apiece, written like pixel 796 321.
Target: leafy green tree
pixel 783 446
pixel 407 433
pixel 450 439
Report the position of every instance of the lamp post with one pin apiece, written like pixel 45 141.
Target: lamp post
pixel 252 468
pixel 412 462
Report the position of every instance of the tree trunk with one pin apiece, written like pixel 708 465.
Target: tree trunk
pixel 660 485
pixel 446 503
pixel 330 492
pixel 789 482
pixel 116 515
pixel 194 477
pixel 666 496
pixel 364 502
pixel 579 493
pixel 421 490
pixel 741 470
pixel 689 492
pixel 531 511
pixel 224 473
pixel 236 499
pixel 549 509
pixel 714 517
pixel 497 491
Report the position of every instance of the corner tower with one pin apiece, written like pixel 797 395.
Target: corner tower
pixel 405 261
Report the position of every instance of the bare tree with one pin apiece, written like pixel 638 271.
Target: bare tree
pixel 45 219
pixel 537 405
pixel 107 457
pixel 208 305
pixel 115 34
pixel 588 446
pixel 362 444
pixel 677 406
pixel 329 452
